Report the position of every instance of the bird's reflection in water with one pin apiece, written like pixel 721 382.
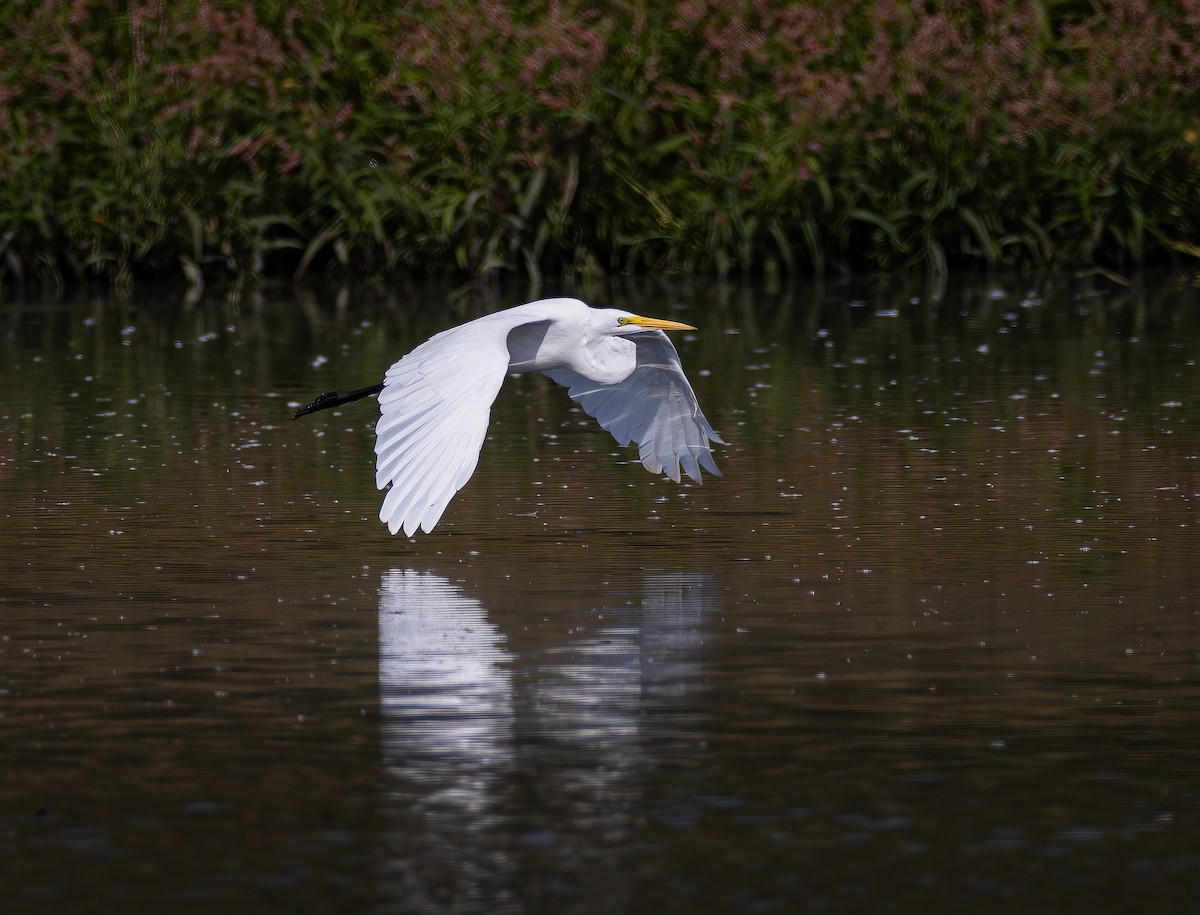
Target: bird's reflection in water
pixel 495 749
pixel 616 693
pixel 446 691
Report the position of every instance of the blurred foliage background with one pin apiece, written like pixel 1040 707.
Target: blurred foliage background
pixel 375 138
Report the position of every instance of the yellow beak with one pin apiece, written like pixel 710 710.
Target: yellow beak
pixel 657 323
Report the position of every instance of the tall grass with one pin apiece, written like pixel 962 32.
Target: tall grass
pixel 451 135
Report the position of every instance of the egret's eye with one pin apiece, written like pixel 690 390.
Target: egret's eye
pixel 622 320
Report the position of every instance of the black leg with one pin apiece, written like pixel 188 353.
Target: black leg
pixel 337 398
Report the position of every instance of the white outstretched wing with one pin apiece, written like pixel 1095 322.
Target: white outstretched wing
pixel 435 407
pixel 655 407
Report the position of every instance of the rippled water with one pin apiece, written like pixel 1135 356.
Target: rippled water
pixel 933 644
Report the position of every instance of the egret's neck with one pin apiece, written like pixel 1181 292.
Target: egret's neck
pixel 608 360
pixel 602 358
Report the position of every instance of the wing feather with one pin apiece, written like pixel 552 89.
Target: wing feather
pixel 434 413
pixel 655 407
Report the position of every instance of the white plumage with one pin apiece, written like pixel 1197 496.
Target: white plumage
pixel 435 402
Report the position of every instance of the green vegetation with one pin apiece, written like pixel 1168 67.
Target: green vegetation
pixel 451 135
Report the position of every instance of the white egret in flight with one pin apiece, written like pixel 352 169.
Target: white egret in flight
pixel 436 401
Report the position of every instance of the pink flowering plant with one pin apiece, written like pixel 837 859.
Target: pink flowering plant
pixel 474 137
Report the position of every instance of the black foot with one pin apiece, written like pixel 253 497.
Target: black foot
pixel 336 399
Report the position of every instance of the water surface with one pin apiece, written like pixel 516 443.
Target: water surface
pixel 932 644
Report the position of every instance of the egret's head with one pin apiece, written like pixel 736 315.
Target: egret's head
pixel 635 324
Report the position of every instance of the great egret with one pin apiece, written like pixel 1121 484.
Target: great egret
pixel 435 402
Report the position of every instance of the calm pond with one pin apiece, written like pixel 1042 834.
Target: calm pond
pixel 931 645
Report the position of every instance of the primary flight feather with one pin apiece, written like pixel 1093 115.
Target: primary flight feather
pixel 435 402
